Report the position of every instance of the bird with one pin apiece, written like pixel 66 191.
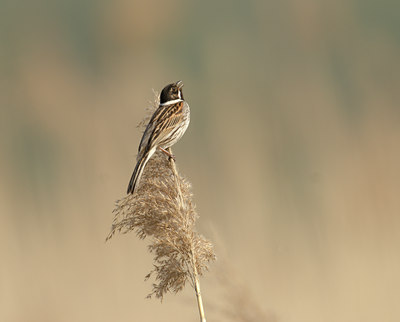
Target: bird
pixel 165 128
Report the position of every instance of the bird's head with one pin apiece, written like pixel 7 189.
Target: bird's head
pixel 171 93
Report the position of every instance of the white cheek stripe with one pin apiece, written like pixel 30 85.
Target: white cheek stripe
pixel 172 102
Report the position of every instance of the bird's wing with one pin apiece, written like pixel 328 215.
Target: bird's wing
pixel 146 136
pixel 167 122
pixel 162 123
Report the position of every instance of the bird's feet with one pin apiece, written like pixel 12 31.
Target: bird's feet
pixel 170 155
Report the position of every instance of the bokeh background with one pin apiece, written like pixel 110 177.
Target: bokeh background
pixel 293 152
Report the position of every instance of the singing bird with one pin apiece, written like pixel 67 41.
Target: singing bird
pixel 166 127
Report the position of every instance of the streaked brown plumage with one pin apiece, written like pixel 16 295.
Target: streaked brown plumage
pixel 166 127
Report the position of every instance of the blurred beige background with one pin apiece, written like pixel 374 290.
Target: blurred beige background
pixel 293 152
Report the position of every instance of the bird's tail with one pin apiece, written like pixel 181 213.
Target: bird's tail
pixel 137 173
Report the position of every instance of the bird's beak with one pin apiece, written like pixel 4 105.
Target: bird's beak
pixel 179 84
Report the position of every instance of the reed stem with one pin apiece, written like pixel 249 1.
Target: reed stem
pixel 196 281
pixel 198 292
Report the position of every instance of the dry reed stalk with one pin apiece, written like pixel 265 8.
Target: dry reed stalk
pixel 162 208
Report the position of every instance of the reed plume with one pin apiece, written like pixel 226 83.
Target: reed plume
pixel 162 209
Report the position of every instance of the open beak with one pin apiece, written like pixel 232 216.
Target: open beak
pixel 179 84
